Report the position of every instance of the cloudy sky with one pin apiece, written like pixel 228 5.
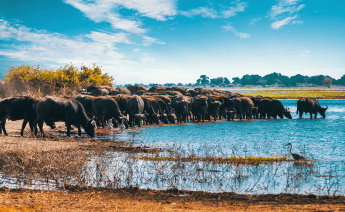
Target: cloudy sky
pixel 161 41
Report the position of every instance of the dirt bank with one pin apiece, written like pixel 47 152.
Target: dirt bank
pixel 147 200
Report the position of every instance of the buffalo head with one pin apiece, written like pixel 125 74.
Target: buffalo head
pixel 287 113
pixel 322 111
pixel 90 128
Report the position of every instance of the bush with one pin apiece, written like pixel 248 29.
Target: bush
pixel 63 81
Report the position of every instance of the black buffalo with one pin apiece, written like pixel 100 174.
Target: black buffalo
pixel 137 89
pixel 105 108
pixel 214 106
pixel 180 105
pixel 87 102
pixel 153 115
pixel 135 110
pixel 273 107
pixel 243 106
pixel 69 110
pixel 310 105
pixel 17 108
pixel 199 106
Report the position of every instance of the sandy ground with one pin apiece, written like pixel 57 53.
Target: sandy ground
pixel 134 199
pixel 143 200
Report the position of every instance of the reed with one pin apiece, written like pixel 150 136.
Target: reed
pixel 253 160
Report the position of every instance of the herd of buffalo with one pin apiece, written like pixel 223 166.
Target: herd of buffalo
pixel 135 105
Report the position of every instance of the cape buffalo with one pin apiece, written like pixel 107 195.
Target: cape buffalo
pixel 120 90
pixel 137 89
pixel 180 105
pixel 87 102
pixel 200 107
pixel 105 108
pixel 136 109
pixel 214 106
pixel 243 106
pixel 153 115
pixel 310 105
pixel 156 104
pixel 69 110
pixel 17 108
pixel 273 107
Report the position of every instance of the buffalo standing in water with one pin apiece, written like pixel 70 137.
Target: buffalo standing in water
pixel 310 105
pixel 273 107
pixel 135 110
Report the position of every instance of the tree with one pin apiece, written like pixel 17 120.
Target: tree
pixel 217 81
pixel 341 81
pixel 327 82
pixel 298 79
pixel 236 80
pixel 203 80
pixel 227 81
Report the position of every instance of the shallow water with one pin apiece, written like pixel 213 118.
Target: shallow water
pixel 320 140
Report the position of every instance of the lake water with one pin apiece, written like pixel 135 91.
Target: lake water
pixel 320 140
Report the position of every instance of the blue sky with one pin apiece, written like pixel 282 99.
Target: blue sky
pixel 169 41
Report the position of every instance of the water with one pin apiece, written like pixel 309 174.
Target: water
pixel 320 140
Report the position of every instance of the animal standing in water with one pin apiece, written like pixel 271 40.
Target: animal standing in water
pixel 296 156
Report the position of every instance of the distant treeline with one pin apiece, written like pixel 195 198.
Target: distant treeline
pixel 273 79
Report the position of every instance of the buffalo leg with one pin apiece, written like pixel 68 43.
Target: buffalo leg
pixel 69 129
pixel 40 125
pixel 300 114
pixel 311 115
pixel 79 130
pixel 3 122
pixel 23 127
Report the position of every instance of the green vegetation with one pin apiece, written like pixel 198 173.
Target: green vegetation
pixel 254 161
pixel 294 93
pixel 61 81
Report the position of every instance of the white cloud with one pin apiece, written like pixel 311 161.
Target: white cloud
pixel 41 46
pixel 236 33
pixel 285 6
pixel 207 12
pixel 107 11
pixel 160 42
pixel 254 20
pixel 283 11
pixel 203 11
pixel 297 22
pixel 135 50
pixel 305 54
pixel 279 24
pixel 232 11
pixel 109 39
pixel 148 40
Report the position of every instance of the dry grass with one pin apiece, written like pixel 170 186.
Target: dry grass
pixel 146 200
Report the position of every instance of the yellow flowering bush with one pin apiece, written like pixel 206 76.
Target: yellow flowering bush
pixel 57 82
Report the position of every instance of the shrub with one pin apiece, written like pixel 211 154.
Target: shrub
pixel 63 81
